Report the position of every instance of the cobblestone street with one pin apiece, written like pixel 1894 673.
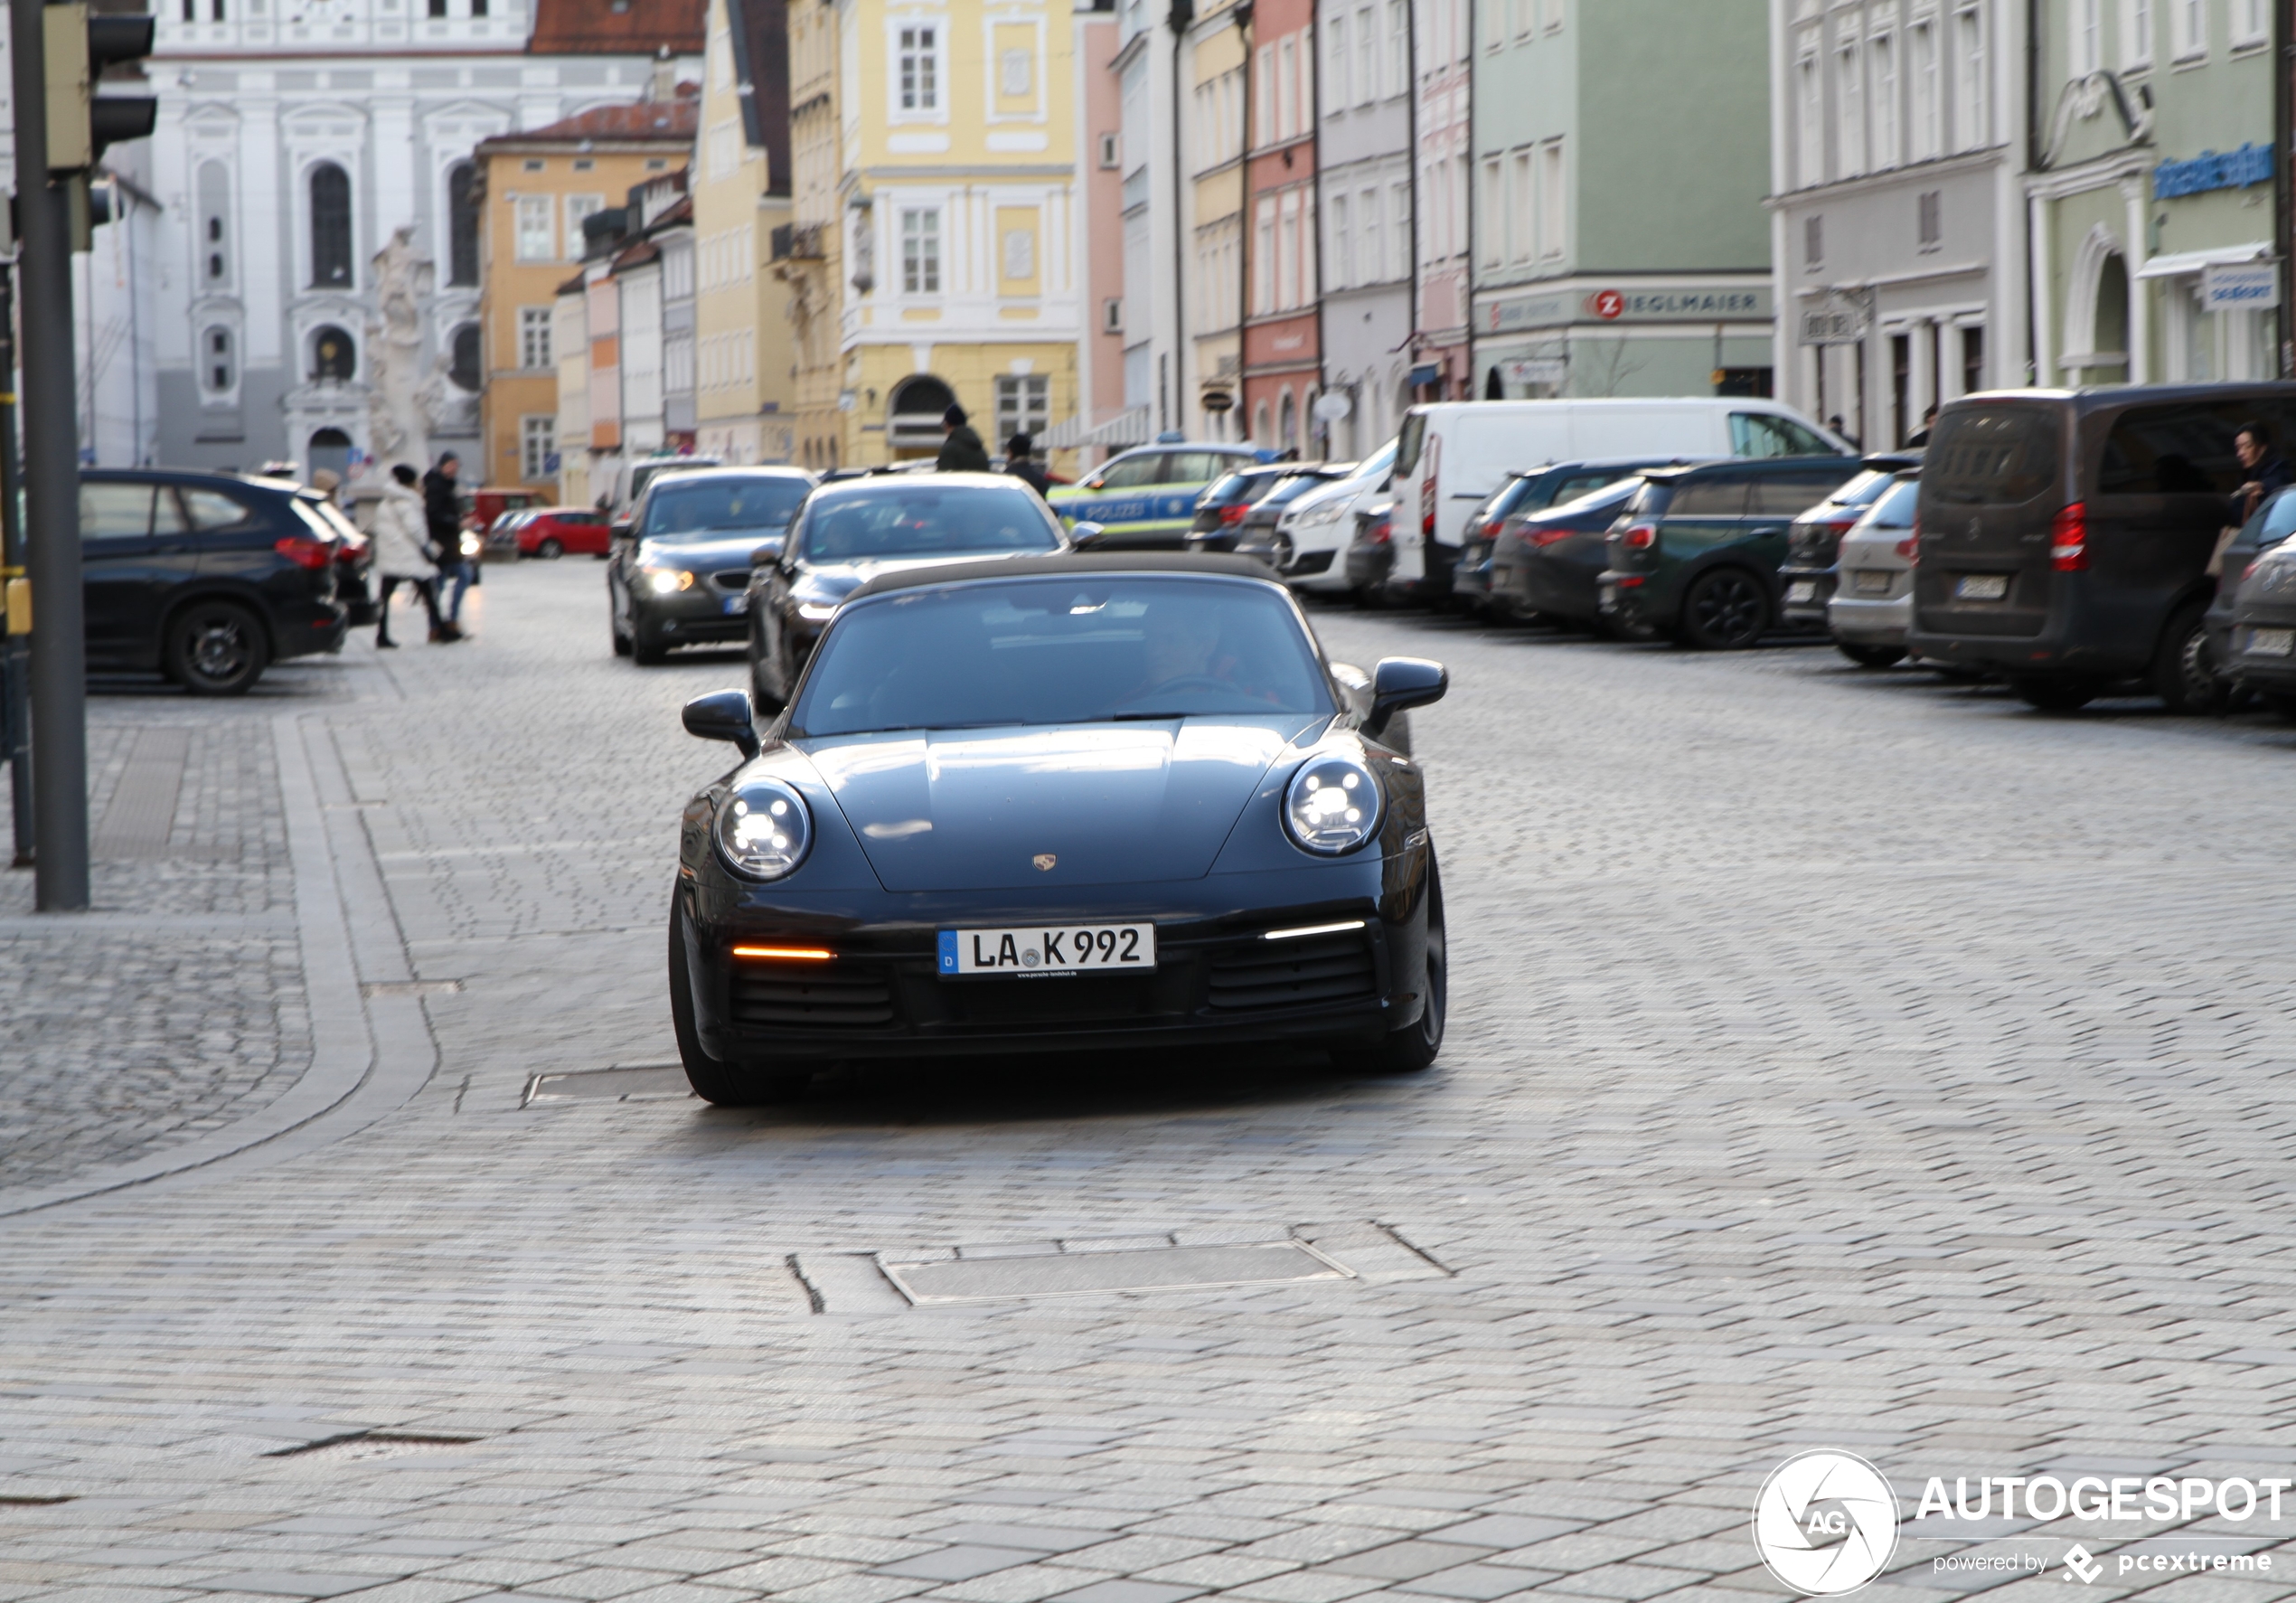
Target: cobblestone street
pixel 1836 1059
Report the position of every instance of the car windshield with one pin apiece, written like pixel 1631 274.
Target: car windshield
pixel 1864 489
pixel 1894 507
pixel 1095 648
pixel 916 518
pixel 1235 487
pixel 704 504
pixel 1608 497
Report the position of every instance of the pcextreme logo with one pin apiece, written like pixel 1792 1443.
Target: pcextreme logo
pixel 1825 1523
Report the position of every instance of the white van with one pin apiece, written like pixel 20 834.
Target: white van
pixel 1452 455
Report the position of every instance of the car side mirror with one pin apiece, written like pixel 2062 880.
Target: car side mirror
pixel 723 715
pixel 1399 683
pixel 1094 483
pixel 620 528
pixel 1083 534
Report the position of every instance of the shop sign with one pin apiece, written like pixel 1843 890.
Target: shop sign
pixel 2240 285
pixel 2235 169
pixel 1748 305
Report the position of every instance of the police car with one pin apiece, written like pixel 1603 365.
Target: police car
pixel 1145 499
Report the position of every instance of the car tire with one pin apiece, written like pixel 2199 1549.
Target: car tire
pixel 550 550
pixel 644 651
pixel 2055 695
pixel 215 648
pixel 2184 673
pixel 1871 656
pixel 1725 609
pixel 714 1080
pixel 1413 1048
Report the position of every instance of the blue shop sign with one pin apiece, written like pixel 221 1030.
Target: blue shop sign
pixel 2235 169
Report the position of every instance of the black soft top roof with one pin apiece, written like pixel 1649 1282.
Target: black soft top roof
pixel 1160 563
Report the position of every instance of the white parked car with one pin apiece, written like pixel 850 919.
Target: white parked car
pixel 1309 545
pixel 1449 456
pixel 1873 592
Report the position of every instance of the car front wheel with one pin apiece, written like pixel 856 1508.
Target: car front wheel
pixel 216 648
pixel 1725 610
pixel 2185 673
pixel 550 550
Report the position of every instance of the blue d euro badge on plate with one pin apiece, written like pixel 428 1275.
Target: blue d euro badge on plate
pixel 948 951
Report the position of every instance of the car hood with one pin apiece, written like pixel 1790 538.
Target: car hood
pixel 710 549
pixel 1093 803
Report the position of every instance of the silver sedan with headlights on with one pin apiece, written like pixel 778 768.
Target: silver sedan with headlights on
pixel 1067 803
pixel 680 574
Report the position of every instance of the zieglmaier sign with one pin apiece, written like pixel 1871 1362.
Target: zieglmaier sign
pixel 2240 287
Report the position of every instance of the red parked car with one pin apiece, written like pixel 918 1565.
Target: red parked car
pixel 554 531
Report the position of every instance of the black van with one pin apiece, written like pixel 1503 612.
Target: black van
pixel 2065 536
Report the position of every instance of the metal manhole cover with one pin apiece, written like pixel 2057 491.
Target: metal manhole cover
pixel 640 1083
pixel 1159 1269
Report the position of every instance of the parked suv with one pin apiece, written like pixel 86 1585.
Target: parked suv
pixel 1816 536
pixel 1695 553
pixel 1499 548
pixel 208 577
pixel 2066 536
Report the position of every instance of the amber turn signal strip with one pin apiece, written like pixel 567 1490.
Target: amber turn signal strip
pixel 786 954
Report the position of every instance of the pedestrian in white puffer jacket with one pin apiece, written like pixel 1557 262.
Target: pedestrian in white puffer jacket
pixel 402 555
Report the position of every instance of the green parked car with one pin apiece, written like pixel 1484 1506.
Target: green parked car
pixel 1695 553
pixel 1145 499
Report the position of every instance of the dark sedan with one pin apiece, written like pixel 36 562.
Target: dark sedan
pixel 1221 509
pixel 1491 571
pixel 1074 803
pixel 209 576
pixel 1814 539
pixel 680 574
pixel 1254 531
pixel 851 531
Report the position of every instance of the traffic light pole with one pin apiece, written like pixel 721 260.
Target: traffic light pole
pixel 15 650
pixel 48 403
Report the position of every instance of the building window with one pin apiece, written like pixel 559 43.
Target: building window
pixel 577 207
pixel 2189 25
pixel 1883 77
pixel 1340 270
pixel 1023 405
pixel 1554 14
pixel 464 364
pixel 1813 243
pixel 1849 95
pixel 2088 36
pixel 534 336
pixel 1109 158
pixel 1493 222
pixel 334 360
pixel 1810 104
pixel 2249 22
pixel 921 252
pixel 1020 254
pixel 330 227
pixel 2136 33
pixel 920 69
pixel 1264 257
pixel 1111 315
pixel 537 444
pixel 461 225
pixel 1927 129
pixel 216 350
pixel 214 208
pixel 438 8
pixel 1522 198
pixel 535 239
pixel 1016 74
pixel 1554 201
pixel 1971 99
pixel 1367 57
pixel 1930 217
pixel 1973 359
pixel 1339 88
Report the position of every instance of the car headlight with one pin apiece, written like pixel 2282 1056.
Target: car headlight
pixel 816 611
pixel 1331 806
pixel 472 543
pixel 668 581
pixel 764 830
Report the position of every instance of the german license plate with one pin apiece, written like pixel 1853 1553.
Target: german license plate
pixel 1982 587
pixel 1868 582
pixel 1036 949
pixel 2272 642
pixel 740 603
pixel 1802 590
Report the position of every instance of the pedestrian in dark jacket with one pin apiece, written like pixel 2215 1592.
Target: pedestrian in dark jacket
pixel 1020 463
pixel 962 451
pixel 442 512
pixel 2266 470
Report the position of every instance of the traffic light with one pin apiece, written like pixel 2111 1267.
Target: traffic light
pixel 81 122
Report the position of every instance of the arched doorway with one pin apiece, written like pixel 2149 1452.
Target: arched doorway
pixel 913 416
pixel 330 448
pixel 2113 317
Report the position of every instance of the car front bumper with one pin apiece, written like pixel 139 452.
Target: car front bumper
pixel 693 617
pixel 2270 671
pixel 1217 982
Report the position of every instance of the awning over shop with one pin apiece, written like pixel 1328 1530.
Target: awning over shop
pixel 2185 263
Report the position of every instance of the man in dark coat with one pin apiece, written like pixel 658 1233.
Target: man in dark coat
pixel 962 451
pixel 2267 471
pixel 442 514
pixel 1019 461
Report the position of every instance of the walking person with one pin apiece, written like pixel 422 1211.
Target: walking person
pixel 401 545
pixel 1020 463
pixel 443 513
pixel 962 451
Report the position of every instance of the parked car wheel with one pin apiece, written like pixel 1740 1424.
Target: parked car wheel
pixel 2055 695
pixel 1871 656
pixel 621 640
pixel 1725 610
pixel 726 1085
pixel 551 550
pixel 2185 673
pixel 216 648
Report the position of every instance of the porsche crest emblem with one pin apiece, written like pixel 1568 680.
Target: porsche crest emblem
pixel 1045 860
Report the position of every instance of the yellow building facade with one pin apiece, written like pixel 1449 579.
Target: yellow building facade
pixel 535 188
pixel 744 381
pixel 954 197
pixel 807 258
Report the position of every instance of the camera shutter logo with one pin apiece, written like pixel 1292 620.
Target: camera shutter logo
pixel 1825 1523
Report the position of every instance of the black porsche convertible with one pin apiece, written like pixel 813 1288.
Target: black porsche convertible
pixel 1065 803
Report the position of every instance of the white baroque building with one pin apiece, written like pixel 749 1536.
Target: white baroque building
pixel 295 137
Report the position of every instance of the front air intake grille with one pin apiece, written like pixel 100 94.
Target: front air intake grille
pixel 827 999
pixel 1299 973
